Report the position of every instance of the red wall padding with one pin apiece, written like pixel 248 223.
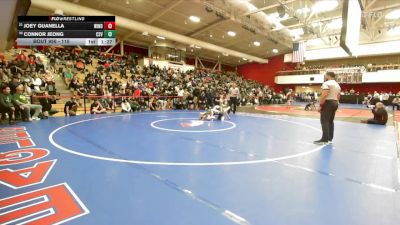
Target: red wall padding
pixel 265 73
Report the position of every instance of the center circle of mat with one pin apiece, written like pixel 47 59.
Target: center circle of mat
pixel 191 125
pixel 115 158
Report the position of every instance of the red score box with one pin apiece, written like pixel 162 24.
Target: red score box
pixel 109 25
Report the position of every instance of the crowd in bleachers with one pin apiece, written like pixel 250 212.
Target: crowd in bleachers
pixel 116 82
pixel 302 69
pixel 20 78
pixel 387 98
pixel 108 82
pixel 122 82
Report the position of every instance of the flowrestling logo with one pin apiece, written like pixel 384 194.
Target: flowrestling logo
pixel 54 204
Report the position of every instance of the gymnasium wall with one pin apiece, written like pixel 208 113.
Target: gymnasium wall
pixel 370 87
pixel 210 64
pixel 307 88
pixel 362 88
pixel 365 87
pixel 385 59
pixel 265 73
pixel 128 49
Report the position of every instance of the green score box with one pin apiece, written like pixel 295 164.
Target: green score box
pixel 109 34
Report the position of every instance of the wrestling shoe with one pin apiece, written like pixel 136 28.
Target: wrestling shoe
pixel 320 142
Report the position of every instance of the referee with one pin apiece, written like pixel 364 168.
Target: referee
pixel 329 102
pixel 234 97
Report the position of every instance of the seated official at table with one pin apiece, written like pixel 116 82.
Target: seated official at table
pixel 380 115
pixel 396 102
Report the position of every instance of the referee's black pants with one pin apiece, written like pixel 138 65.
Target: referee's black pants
pixel 233 104
pixel 327 116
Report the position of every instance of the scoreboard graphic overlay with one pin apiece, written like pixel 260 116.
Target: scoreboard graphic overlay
pixel 66 30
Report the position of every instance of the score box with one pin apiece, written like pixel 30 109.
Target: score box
pixel 109 25
pixel 109 34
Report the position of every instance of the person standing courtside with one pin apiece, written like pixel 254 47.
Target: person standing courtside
pixel 329 102
pixel 233 97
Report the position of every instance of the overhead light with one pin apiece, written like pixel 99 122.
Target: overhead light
pixel 256 43
pixel 198 47
pixel 211 35
pixel 231 33
pixel 161 37
pixel 394 31
pixel 335 24
pixel 275 50
pixel 225 54
pixel 145 33
pixel 127 2
pixel 324 6
pixel 244 59
pixel 393 15
pixel 194 19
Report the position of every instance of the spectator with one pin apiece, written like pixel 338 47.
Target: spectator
pixel 385 98
pixel 380 115
pixel 14 84
pixel 26 88
pixel 125 106
pixel 46 102
pixel 71 107
pixel 97 108
pixel 135 106
pixel 7 104
pixel 24 105
pixel 396 102
pixel 153 104
pixel 67 76
pixel 37 82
